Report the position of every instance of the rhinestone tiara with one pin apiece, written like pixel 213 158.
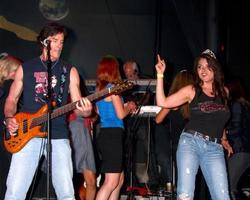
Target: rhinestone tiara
pixel 209 52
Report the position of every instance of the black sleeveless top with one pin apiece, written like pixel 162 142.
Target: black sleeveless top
pixel 35 91
pixel 208 115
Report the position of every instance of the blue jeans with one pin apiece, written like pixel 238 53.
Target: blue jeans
pixel 24 164
pixel 194 151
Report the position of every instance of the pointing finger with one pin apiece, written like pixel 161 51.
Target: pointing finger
pixel 158 58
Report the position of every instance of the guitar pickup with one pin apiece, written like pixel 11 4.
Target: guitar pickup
pixel 25 126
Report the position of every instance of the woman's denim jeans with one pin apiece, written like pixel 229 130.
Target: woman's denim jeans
pixel 194 151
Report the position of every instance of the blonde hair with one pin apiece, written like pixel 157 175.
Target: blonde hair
pixel 8 64
pixel 182 79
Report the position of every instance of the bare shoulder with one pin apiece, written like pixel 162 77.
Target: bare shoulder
pixel 74 75
pixel 73 71
pixel 19 72
pixel 115 97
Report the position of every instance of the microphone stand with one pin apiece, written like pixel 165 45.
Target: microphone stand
pixel 49 103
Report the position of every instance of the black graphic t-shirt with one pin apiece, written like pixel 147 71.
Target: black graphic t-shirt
pixel 35 84
pixel 208 115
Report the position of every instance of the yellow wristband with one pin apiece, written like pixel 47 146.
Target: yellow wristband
pixel 159 75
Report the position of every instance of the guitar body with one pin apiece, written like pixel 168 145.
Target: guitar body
pixel 25 132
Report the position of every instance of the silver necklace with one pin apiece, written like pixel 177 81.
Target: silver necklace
pixel 46 65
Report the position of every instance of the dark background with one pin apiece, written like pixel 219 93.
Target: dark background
pixel 138 29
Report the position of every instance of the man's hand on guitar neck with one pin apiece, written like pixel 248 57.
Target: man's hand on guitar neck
pixel 11 124
pixel 84 107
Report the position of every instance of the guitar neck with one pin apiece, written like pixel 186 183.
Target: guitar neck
pixel 71 106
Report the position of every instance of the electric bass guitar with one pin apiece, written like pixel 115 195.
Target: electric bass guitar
pixel 30 124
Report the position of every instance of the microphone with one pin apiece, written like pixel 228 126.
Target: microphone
pixel 46 42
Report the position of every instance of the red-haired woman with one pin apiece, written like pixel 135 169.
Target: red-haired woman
pixel 111 110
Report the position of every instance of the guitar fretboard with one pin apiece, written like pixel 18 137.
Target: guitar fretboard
pixel 69 107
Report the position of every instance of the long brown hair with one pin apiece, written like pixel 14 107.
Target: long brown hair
pixel 107 72
pixel 182 79
pixel 218 83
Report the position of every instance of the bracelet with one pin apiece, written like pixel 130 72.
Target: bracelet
pixel 224 139
pixel 158 75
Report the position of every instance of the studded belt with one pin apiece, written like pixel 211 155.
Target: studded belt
pixel 201 135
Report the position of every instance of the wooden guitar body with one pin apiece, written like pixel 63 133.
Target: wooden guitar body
pixel 25 132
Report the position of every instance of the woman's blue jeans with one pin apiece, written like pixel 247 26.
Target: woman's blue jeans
pixel 194 151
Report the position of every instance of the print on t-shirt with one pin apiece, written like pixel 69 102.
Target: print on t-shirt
pixel 41 86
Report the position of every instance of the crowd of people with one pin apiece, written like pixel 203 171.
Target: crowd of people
pixel 201 118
